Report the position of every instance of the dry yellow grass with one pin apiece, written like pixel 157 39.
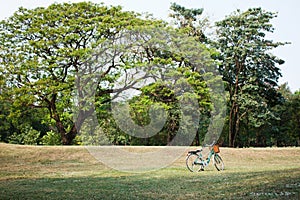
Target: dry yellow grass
pixel 18 161
pixel 56 172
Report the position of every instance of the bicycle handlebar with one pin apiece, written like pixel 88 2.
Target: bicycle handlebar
pixel 210 145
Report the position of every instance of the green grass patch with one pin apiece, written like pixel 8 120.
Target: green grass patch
pixel 34 172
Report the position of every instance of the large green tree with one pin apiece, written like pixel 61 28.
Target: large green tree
pixel 42 50
pixel 180 59
pixel 248 67
pixel 51 55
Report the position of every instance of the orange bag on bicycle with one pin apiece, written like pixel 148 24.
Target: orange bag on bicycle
pixel 216 148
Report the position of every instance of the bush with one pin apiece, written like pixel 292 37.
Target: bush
pixel 28 136
pixel 51 138
pixel 16 138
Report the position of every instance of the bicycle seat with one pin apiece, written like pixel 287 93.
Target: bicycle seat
pixel 196 151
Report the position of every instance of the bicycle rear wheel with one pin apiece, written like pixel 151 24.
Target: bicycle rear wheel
pixel 193 163
pixel 218 162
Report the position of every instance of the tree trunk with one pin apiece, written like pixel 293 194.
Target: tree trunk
pixel 197 139
pixel 234 121
pixel 237 126
pixel 231 129
pixel 260 140
pixel 67 138
pixel 233 125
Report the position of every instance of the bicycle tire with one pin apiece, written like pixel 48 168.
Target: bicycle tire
pixel 218 162
pixel 190 162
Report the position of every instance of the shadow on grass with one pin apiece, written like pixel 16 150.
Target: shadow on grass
pixel 163 184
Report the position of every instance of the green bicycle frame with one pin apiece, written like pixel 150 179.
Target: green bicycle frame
pixel 204 162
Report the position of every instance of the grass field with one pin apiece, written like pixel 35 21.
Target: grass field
pixel 40 172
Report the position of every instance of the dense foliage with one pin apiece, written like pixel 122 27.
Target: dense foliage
pixel 50 55
pixel 248 68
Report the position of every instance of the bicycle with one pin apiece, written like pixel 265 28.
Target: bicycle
pixel 195 159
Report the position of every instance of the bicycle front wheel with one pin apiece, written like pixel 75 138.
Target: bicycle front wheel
pixel 218 162
pixel 193 163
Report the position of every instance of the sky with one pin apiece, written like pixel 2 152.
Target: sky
pixel 287 26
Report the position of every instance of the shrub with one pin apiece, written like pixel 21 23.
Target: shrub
pixel 28 136
pixel 51 138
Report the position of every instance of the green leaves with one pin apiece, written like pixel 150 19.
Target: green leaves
pixel 42 50
pixel 48 55
pixel 189 21
pixel 248 67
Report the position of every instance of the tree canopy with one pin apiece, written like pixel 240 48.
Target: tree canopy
pixel 65 69
pixel 43 48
